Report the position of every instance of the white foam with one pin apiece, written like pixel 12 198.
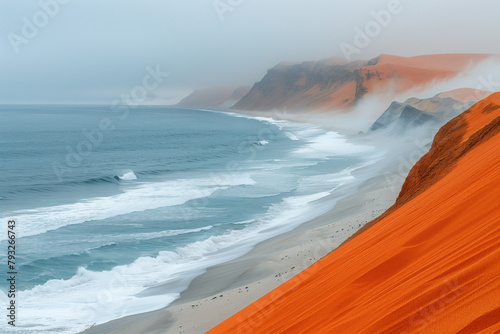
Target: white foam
pixel 244 222
pixel 161 234
pixel 128 176
pixel 139 198
pixel 277 122
pixel 329 144
pixel 291 136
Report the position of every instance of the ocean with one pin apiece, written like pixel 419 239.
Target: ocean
pixel 110 203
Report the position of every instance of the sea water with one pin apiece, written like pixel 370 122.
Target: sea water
pixel 111 204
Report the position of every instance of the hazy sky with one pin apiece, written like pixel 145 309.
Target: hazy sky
pixel 94 51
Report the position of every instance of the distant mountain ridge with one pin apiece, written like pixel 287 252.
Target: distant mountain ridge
pixel 214 97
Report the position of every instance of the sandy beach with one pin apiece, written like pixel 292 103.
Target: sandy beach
pixel 226 288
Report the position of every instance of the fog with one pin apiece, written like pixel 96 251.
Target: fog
pixel 89 51
pixel 483 78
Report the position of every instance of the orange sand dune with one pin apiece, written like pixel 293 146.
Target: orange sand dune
pixel 439 62
pixel 466 94
pixel 413 72
pixel 430 265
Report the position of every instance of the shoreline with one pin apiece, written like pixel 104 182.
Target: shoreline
pixel 226 288
pixel 336 121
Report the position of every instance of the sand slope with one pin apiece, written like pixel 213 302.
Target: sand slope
pixel 430 264
pixel 419 70
pixel 466 94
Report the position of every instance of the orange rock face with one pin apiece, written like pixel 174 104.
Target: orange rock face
pixel 431 264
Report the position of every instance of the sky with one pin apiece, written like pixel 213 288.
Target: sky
pixel 99 51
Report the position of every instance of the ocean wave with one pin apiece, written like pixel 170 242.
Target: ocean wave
pixel 38 187
pixel 161 234
pixel 127 176
pixel 322 145
pixel 140 198
pixel 96 180
pixel 244 222
pixel 280 124
pixel 109 241
pixel 157 171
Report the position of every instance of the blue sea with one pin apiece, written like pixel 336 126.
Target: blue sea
pixel 109 202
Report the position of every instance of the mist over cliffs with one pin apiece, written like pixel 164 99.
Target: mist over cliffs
pixel 333 85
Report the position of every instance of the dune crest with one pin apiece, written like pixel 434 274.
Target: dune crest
pixel 466 94
pixel 430 264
